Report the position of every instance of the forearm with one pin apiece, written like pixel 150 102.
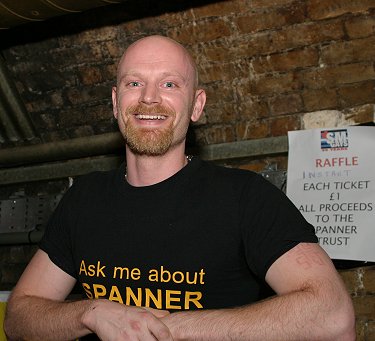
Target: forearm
pixel 295 316
pixel 36 318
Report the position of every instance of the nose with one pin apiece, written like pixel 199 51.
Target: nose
pixel 150 94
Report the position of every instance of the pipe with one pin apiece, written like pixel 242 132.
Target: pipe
pixel 15 121
pixel 32 237
pixel 58 170
pixel 109 143
pixel 14 13
pixel 68 149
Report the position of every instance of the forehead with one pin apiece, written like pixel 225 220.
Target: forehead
pixel 158 55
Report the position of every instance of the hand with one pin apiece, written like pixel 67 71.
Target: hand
pixel 114 321
pixel 181 325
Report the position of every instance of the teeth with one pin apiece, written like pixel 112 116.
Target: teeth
pixel 151 117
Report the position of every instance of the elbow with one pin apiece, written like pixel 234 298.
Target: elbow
pixel 348 332
pixel 7 327
pixel 342 322
pixel 11 322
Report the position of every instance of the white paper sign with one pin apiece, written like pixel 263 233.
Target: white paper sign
pixel 331 180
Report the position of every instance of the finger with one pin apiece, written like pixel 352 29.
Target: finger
pixel 162 336
pixel 160 331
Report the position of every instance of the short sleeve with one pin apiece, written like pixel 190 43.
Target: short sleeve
pixel 57 239
pixel 271 224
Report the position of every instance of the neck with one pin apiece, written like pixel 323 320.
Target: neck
pixel 145 170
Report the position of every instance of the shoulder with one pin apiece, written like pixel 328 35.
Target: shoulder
pixel 212 169
pixel 231 176
pixel 90 185
pixel 96 179
pixel 234 184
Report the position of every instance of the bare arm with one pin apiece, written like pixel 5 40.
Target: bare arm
pixel 311 304
pixel 36 310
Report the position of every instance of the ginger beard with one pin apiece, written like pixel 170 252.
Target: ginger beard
pixel 149 141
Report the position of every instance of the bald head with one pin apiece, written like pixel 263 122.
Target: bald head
pixel 156 96
pixel 157 48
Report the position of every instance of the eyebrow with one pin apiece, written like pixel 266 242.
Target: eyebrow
pixel 163 75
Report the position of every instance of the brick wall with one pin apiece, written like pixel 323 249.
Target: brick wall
pixel 268 67
pixel 361 285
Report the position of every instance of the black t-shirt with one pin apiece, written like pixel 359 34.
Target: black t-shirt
pixel 203 238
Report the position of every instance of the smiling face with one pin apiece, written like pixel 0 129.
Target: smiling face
pixel 156 95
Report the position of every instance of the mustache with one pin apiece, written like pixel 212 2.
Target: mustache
pixel 154 109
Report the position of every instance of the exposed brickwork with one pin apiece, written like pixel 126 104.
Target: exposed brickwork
pixel 289 57
pixel 315 99
pixel 336 76
pixel 267 66
pixel 285 61
pixel 335 118
pixel 281 125
pixel 205 31
pixel 271 18
pixel 291 103
pixel 356 94
pixel 247 130
pixel 349 52
pixel 360 27
pixel 334 8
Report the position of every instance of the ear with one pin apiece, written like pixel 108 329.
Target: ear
pixel 199 102
pixel 114 101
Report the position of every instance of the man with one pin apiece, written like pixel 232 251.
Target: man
pixel 173 248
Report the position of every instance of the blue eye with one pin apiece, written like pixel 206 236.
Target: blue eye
pixel 169 85
pixel 134 84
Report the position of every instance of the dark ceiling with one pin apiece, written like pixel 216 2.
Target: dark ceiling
pixel 14 13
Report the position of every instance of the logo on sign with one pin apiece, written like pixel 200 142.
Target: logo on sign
pixel 334 139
